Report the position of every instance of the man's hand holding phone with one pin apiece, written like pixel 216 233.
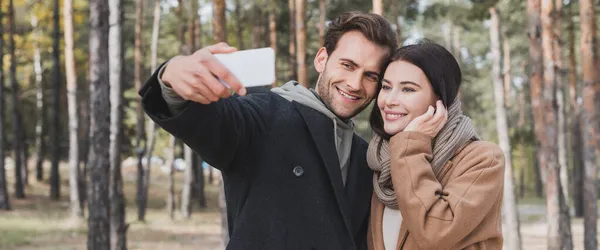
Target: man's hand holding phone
pixel 196 77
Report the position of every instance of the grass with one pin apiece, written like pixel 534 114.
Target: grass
pixel 37 222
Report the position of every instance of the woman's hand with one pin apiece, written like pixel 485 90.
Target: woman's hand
pixel 431 122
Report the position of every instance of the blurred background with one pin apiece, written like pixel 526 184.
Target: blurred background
pixel 531 83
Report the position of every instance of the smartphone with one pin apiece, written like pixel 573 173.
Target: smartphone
pixel 253 67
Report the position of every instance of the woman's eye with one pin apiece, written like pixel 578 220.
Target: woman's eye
pixel 385 87
pixel 408 90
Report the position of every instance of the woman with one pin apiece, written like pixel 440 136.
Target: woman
pixel 436 184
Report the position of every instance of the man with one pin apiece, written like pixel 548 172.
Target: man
pixel 295 173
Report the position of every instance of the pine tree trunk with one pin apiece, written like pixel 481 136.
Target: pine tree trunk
pixel 170 159
pixel 256 27
pixel 273 33
pixel 507 77
pixel 561 84
pixel 378 7
pixel 396 15
pixel 198 31
pixel 223 208
pixel 4 200
pixel 55 128
pixel 513 236
pixel 219 21
pixel 16 112
pixel 71 74
pixel 239 27
pixel 456 45
pixel 99 165
pixel 199 182
pixel 192 15
pixel 118 227
pixel 301 42
pixel 85 137
pixel 40 129
pixel 322 18
pixel 186 191
pixel 574 125
pixel 292 42
pixel 590 118
pixel 140 148
pixel 559 229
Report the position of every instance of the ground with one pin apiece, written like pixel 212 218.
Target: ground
pixel 39 223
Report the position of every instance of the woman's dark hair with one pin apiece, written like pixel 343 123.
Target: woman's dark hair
pixel 438 64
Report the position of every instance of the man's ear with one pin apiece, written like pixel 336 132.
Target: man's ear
pixel 321 59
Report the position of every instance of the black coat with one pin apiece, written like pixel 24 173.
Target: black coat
pixel 282 178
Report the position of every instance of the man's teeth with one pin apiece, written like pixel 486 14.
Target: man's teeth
pixel 348 96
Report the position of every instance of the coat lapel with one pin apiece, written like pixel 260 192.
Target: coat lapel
pixel 359 185
pixel 321 131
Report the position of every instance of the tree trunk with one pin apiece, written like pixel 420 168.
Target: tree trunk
pixel 513 237
pixel 40 129
pixel 199 182
pixel 98 221
pixel 396 14
pixel 4 200
pixel 559 226
pixel 85 137
pixel 322 18
pixel 378 7
pixel 239 27
pixel 118 227
pixel 55 128
pixel 273 33
pixel 219 21
pixel 16 112
pixel 506 73
pixel 256 26
pixel 186 191
pixel 574 125
pixel 456 45
pixel 561 83
pixel 170 159
pixel 301 42
pixel 590 116
pixel 76 212
pixel 192 16
pixel 140 148
pixel 223 208
pixel 292 44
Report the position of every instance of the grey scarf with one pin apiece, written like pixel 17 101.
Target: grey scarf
pixel 457 132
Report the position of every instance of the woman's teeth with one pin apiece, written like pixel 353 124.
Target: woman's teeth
pixel 394 116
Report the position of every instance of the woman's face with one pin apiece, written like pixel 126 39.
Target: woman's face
pixel 405 94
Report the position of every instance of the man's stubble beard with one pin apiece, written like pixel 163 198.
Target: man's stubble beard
pixel 323 84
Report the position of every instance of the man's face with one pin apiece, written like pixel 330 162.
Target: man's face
pixel 348 76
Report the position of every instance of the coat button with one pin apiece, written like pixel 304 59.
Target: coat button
pixel 298 171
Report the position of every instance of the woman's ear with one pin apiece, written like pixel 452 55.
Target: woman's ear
pixel 321 59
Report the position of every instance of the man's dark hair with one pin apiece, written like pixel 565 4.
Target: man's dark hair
pixel 374 27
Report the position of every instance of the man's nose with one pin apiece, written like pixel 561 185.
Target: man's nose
pixel 354 82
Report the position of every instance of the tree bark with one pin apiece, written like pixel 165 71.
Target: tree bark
pixel 574 125
pixel 561 84
pixel 590 119
pixel 378 7
pixel 140 148
pixel 40 129
pixel 16 112
pixel 273 33
pixel 199 182
pixel 223 208
pixel 559 226
pixel 506 73
pixel 4 200
pixel 301 43
pixel 513 236
pixel 256 26
pixel 170 159
pixel 219 21
pixel 99 165
pixel 55 133
pixel 192 15
pixel 239 27
pixel 322 18
pixel 456 44
pixel 186 191
pixel 76 212
pixel 396 14
pixel 118 227
pixel 292 44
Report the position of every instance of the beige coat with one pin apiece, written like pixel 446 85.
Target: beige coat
pixel 461 211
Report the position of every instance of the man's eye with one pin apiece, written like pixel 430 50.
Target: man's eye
pixel 347 66
pixel 373 78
